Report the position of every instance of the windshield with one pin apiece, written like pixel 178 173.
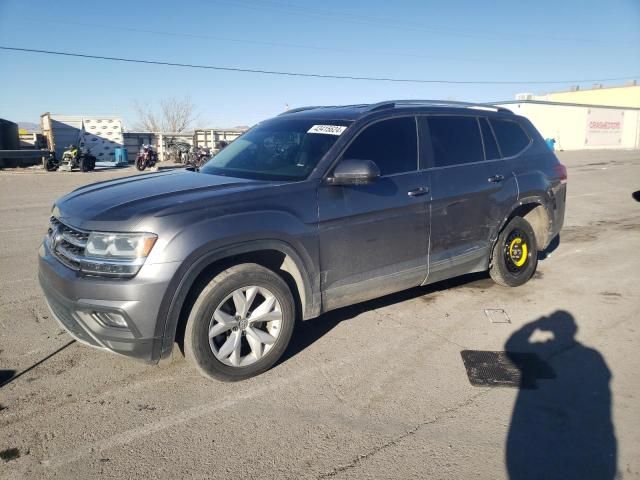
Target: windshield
pixel 279 149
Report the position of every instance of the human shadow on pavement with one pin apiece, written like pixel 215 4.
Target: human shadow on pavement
pixel 561 427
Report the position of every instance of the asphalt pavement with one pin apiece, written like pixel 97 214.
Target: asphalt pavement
pixel 377 390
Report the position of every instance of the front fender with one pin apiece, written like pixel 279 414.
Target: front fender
pixel 213 252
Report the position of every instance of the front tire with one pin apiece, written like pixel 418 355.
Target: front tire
pixel 515 254
pixel 50 165
pixel 141 164
pixel 240 324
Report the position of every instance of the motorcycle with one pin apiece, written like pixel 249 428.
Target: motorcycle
pixel 196 157
pixel 73 157
pixel 146 158
pixel 201 156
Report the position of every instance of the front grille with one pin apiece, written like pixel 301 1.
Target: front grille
pixel 67 243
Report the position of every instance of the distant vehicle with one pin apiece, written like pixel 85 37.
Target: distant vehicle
pixel 147 157
pixel 73 157
pixel 316 209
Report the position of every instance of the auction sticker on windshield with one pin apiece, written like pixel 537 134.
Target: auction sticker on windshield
pixel 327 129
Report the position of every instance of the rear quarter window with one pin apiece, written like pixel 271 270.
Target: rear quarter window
pixel 511 136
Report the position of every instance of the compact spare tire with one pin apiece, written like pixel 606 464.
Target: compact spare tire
pixel 240 324
pixel 515 254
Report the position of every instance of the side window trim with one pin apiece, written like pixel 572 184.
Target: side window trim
pixel 340 155
pixel 495 137
pixel 523 130
pixel 484 148
pixel 424 133
pixel 415 122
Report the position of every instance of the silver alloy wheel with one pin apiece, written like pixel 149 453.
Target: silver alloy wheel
pixel 245 325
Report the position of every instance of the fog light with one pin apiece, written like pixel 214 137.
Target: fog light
pixel 110 319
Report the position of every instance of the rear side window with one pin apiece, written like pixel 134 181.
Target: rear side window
pixel 455 140
pixel 391 144
pixel 511 137
pixel 490 145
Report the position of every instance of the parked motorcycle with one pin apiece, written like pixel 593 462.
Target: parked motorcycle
pixel 175 152
pixel 196 156
pixel 147 157
pixel 202 155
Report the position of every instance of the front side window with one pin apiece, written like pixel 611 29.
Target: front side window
pixel 391 144
pixel 278 149
pixel 455 140
pixel 511 137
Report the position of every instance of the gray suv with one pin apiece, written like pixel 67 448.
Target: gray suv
pixel 316 209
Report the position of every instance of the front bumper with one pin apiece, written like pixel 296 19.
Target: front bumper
pixel 74 300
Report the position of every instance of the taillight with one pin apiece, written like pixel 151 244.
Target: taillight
pixel 561 171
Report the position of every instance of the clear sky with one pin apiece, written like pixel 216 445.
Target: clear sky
pixel 446 39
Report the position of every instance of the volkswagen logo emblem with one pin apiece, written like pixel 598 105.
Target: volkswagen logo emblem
pixel 56 237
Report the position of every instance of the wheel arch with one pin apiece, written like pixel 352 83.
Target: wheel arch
pixel 535 211
pixel 276 255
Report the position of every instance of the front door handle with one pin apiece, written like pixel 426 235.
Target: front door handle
pixel 496 179
pixel 416 192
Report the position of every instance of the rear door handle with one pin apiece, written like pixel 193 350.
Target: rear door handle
pixel 416 192
pixel 496 179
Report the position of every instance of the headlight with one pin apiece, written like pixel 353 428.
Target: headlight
pixel 116 254
pixel 120 245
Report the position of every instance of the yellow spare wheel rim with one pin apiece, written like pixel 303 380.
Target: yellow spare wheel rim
pixel 516 251
pixel 518 255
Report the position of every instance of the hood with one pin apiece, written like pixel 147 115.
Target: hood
pixel 129 199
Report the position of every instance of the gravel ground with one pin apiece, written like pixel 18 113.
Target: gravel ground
pixel 377 390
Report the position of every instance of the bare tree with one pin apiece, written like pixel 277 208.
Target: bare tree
pixel 174 115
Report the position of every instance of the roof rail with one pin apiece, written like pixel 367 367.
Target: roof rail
pixel 439 103
pixel 299 109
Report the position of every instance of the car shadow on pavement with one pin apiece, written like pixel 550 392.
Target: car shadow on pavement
pixel 5 376
pixel 308 332
pixel 561 426
pixel 8 376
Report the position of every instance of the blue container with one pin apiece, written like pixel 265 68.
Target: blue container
pixel 551 143
pixel 120 155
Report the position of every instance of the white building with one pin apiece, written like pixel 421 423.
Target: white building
pixel 577 127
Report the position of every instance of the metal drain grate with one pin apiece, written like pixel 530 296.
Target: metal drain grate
pixel 502 369
pixel 497 315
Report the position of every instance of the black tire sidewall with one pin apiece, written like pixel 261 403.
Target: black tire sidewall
pixel 197 346
pixel 509 278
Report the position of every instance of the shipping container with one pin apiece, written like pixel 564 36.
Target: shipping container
pixel 100 134
pixel 9 138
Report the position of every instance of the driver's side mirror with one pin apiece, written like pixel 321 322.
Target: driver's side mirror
pixel 354 172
